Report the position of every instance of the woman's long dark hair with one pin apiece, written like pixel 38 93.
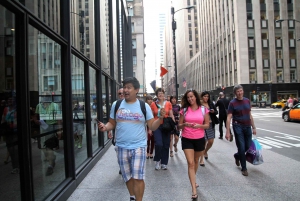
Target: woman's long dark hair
pixel 171 97
pixel 184 101
pixel 206 93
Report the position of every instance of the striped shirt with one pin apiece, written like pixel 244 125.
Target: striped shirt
pixel 240 110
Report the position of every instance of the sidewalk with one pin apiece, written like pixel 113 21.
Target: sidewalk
pixel 277 179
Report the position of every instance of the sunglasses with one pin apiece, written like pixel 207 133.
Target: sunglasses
pixel 120 93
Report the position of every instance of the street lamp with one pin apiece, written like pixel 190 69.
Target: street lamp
pixel 281 20
pixel 174 27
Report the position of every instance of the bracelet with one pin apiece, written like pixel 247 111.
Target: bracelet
pixel 253 128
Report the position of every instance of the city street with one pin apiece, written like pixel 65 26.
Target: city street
pixel 275 134
pixel 276 179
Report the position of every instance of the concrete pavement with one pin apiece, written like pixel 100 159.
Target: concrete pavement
pixel 278 178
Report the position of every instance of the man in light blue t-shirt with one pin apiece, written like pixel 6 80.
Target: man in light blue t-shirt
pixel 131 136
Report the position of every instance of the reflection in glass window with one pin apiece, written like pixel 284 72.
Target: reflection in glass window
pixel 293 75
pixel 252 76
pixel 46 113
pixel 82 27
pixel 279 75
pixel 9 170
pixel 47 11
pixel 104 104
pixel 94 107
pixel 79 112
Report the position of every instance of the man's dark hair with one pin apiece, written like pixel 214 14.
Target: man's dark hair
pixel 159 90
pixel 133 81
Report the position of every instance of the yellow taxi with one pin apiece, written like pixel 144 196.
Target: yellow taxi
pixel 293 114
pixel 278 104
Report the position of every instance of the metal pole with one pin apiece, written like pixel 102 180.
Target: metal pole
pixel 174 49
pixel 143 76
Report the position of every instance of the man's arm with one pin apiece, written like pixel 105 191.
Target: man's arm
pixel 110 125
pixel 229 116
pixel 252 124
pixel 154 124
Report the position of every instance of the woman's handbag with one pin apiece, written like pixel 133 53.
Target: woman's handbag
pixel 216 119
pixel 168 124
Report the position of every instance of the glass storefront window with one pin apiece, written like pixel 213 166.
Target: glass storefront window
pixel 104 107
pixel 44 61
pixel 104 35
pixel 9 170
pixel 94 108
pixel 261 96
pixel 79 112
pixel 83 27
pixel 47 11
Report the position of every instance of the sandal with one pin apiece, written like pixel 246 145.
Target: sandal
pixel 197 185
pixel 175 147
pixel 171 154
pixel 194 196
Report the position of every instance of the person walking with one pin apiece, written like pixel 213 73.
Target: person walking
pixel 290 102
pixel 210 132
pixel 239 110
pixel 161 137
pixel 193 120
pixel 150 139
pixel 222 104
pixel 131 138
pixel 174 133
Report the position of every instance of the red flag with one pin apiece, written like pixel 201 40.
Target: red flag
pixel 163 71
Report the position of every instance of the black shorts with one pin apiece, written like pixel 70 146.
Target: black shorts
pixel 196 144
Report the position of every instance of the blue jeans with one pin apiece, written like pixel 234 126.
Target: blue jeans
pixel 243 139
pixel 162 145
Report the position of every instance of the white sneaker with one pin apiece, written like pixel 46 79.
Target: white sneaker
pixel 164 167
pixel 157 165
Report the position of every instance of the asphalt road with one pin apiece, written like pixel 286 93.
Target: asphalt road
pixel 275 134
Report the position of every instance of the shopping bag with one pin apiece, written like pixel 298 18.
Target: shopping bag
pixel 254 153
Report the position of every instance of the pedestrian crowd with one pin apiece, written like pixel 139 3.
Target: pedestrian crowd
pixel 142 131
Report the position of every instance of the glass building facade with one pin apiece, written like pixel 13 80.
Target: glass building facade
pixel 59 72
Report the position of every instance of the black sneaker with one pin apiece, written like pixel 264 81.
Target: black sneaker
pixel 237 162
pixel 120 172
pixel 49 171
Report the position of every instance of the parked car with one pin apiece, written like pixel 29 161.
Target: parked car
pixel 293 114
pixel 278 104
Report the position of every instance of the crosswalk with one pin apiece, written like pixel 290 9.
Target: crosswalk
pixel 275 113
pixel 286 141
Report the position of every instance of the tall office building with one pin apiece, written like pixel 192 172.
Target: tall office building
pixel 160 53
pixel 136 11
pixel 241 43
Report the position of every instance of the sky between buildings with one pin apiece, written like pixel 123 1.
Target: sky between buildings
pixel 152 8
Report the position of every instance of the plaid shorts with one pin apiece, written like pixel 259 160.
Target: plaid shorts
pixel 132 162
